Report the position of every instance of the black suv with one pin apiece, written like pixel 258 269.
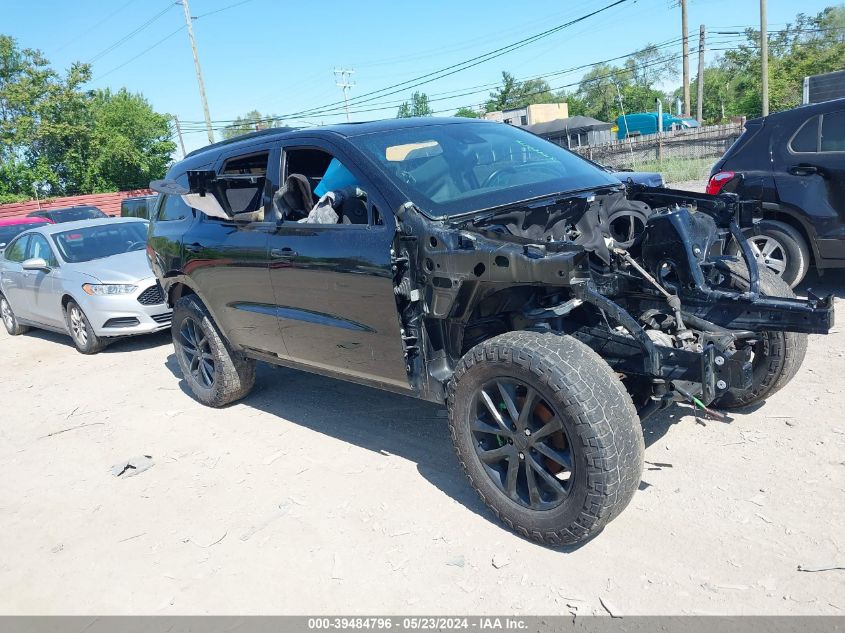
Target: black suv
pixel 794 161
pixel 469 263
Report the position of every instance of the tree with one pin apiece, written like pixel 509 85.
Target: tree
pixel 418 106
pixel 467 113
pixel 518 94
pixel 250 122
pixel 60 139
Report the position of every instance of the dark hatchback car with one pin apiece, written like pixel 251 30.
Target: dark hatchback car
pixel 794 161
pixel 69 214
pixel 468 263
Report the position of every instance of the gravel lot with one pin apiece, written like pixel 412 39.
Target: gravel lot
pixel 316 496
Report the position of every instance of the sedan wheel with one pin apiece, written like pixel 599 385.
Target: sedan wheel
pixel 9 319
pixel 81 332
pixel 77 326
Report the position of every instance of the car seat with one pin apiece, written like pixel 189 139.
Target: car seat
pixel 294 200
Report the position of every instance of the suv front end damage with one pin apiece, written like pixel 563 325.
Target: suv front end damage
pixel 668 311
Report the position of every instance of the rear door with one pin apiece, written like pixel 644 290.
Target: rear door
pixel 228 260
pixel 12 277
pixel 810 175
pixel 333 283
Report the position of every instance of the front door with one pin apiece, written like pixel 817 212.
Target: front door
pixel 41 286
pixel 13 280
pixel 333 281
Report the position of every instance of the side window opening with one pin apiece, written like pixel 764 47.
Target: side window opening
pixel 246 196
pixel 39 247
pixel 16 251
pixel 320 189
pixel 806 139
pixel 173 207
pixel 833 132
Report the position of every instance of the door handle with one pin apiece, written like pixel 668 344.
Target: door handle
pixel 196 247
pixel 283 253
pixel 805 170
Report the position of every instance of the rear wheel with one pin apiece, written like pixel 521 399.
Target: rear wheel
pixel 9 319
pixel 546 433
pixel 215 374
pixel 81 332
pixel 779 248
pixel 776 356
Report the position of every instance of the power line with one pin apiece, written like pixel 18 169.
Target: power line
pixel 226 8
pixel 84 32
pixel 131 34
pixel 143 52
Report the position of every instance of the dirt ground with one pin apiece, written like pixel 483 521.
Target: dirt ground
pixel 315 496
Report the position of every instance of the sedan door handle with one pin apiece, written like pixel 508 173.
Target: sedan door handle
pixel 196 247
pixel 283 253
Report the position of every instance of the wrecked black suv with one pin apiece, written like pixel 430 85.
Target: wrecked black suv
pixel 473 264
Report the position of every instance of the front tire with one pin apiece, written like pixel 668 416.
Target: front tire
pixel 10 320
pixel 81 332
pixel 216 375
pixel 547 435
pixel 777 355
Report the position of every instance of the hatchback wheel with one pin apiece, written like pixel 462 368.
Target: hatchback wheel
pixel 9 319
pixel 781 249
pixel 215 374
pixel 546 433
pixel 81 332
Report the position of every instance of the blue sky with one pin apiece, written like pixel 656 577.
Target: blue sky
pixel 278 56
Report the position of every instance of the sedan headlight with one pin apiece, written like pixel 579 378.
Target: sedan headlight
pixel 102 290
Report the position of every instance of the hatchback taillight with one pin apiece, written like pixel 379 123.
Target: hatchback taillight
pixel 718 181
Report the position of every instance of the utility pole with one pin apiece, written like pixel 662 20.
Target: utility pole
pixel 344 84
pixel 198 69
pixel 764 57
pixel 179 134
pixel 685 37
pixel 699 106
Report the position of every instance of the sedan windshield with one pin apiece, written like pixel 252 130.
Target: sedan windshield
pixel 97 242
pixel 457 168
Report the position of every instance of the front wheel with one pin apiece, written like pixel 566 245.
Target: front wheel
pixel 776 355
pixel 215 374
pixel 546 434
pixel 81 332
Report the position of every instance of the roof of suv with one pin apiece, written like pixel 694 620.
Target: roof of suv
pixel 205 154
pixel 804 110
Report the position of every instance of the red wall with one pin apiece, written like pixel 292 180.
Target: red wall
pixel 109 203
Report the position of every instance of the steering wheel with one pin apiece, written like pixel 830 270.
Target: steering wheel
pixel 514 169
pixel 132 246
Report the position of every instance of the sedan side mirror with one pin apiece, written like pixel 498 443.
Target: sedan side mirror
pixel 36 263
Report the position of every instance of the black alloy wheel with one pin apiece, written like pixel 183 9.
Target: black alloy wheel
pixel 522 444
pixel 197 352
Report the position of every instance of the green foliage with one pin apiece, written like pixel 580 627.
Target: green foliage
pixel 57 138
pixel 518 94
pixel 418 106
pixel 251 122
pixel 810 46
pixel 467 113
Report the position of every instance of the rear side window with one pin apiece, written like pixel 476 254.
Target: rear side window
pixel 173 207
pixel 833 132
pixel 16 252
pixel 806 139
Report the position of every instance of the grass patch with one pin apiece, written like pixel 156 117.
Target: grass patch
pixel 680 169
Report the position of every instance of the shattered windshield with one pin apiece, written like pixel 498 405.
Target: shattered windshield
pixel 462 167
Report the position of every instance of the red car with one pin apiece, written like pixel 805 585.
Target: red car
pixel 10 227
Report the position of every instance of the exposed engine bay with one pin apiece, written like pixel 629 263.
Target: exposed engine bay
pixel 637 273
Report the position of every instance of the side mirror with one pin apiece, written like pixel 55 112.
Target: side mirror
pixel 36 263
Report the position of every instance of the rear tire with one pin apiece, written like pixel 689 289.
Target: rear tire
pixel 80 330
pixel 216 375
pixel 567 425
pixel 779 248
pixel 10 320
pixel 777 355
